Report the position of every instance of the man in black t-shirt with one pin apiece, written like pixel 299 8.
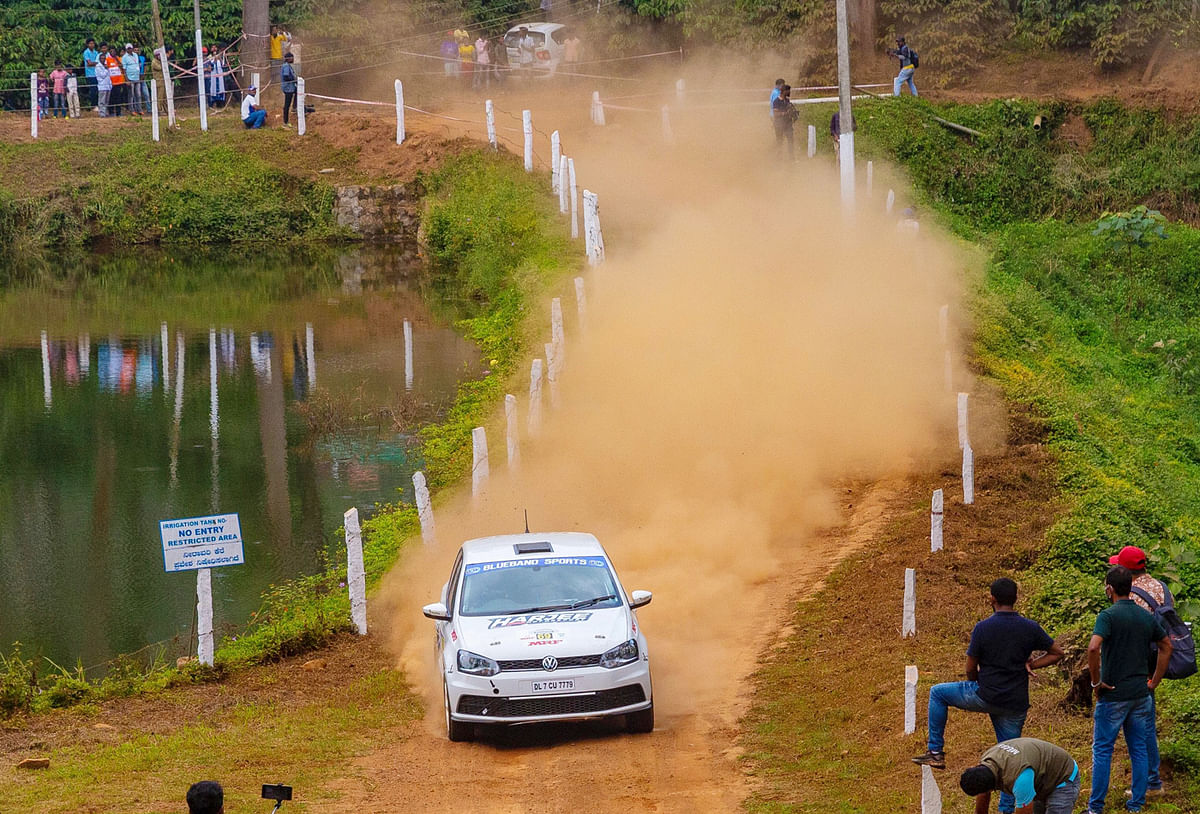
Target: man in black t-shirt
pixel 998 670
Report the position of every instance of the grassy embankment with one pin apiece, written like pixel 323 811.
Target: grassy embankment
pixel 1102 348
pixel 494 237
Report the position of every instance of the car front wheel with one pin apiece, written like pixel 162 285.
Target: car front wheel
pixel 456 731
pixel 640 722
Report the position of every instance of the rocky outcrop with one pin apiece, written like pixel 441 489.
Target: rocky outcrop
pixel 379 213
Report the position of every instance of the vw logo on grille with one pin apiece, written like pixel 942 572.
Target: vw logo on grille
pixel 549 664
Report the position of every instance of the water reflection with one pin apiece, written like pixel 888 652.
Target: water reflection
pixel 165 397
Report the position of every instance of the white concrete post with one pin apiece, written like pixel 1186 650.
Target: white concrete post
pixel 812 140
pixel 891 200
pixel 399 112
pixel 555 156
pixel 556 332
pixel 593 234
pixel 563 186
pixel 846 168
pixel 85 354
pixel 936 513
pixel 949 372
pixel 527 130
pixel 310 355
pixel 552 372
pixel 588 234
pixel 47 395
pixel 301 101
pixel 33 104
pixel 680 90
pixel 424 508
pixel 164 339
pixel 574 199
pixel 255 79
pixel 408 355
pixel 964 437
pixel 931 795
pixel 203 94
pixel 944 323
pixel 204 617
pixel 490 111
pixel 356 575
pixel 479 461
pixel 534 420
pixel 154 134
pixel 168 86
pixel 581 302
pixel 909 626
pixel 597 109
pixel 668 134
pixel 968 475
pixel 910 699
pixel 510 431
pixel 870 177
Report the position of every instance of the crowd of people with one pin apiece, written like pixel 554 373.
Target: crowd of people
pixel 487 59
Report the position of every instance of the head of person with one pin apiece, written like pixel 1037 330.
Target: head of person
pixel 779 83
pixel 91 43
pixel 524 30
pixel 252 90
pixel 1118 582
pixel 58 64
pixel 1003 592
pixel 274 29
pixel 977 780
pixel 785 90
pixel 206 797
pixel 900 41
pixel 1130 557
pixel 289 57
pixel 129 48
pixel 104 47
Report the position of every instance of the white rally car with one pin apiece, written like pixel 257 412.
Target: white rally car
pixel 536 627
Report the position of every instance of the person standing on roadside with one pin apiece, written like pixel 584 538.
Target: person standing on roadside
pixel 779 83
pixel 527 47
pixel 835 131
pixel 908 66
pixel 287 84
pixel 116 75
pixel 43 94
pixel 449 52
pixel 499 59
pixel 1041 777
pixel 103 81
pixel 999 663
pixel 59 77
pixel 132 68
pixel 91 58
pixel 278 42
pixel 1123 684
pixel 784 114
pixel 572 52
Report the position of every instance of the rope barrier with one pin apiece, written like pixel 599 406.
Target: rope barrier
pixel 309 94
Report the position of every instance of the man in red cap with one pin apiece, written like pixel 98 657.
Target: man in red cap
pixel 1134 559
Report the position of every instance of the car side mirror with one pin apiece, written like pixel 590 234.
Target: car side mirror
pixel 437 611
pixel 640 599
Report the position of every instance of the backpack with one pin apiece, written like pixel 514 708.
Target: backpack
pixel 916 61
pixel 1183 657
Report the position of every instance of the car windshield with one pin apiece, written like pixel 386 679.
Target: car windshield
pixel 538 584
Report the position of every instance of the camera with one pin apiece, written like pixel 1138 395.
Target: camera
pixel 277 792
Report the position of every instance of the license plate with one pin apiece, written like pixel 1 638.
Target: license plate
pixel 560 685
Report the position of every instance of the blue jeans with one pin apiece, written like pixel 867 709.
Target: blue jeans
pixel 1006 723
pixel 255 119
pixel 905 77
pixel 1062 799
pixel 1153 781
pixel 1111 717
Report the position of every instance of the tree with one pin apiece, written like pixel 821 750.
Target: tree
pixel 256 23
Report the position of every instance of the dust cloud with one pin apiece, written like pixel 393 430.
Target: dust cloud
pixel 747 349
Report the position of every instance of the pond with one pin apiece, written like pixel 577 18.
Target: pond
pixel 142 386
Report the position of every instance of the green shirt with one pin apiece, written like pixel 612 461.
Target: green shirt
pixel 1127 631
pixel 1051 764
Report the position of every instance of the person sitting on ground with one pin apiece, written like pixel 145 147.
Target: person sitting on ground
pixel 998 667
pixel 206 797
pixel 907 67
pixel 288 85
pixel 1040 776
pixel 253 116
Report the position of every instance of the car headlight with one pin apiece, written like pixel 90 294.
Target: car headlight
pixel 620 655
pixel 476 664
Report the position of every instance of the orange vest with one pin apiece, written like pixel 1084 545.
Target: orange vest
pixel 114 69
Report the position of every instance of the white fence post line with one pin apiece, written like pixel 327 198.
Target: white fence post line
pixel 534 419
pixel 310 355
pixel 574 199
pixel 949 376
pixel 909 625
pixel 527 130
pixel 936 513
pixel 204 617
pixel 399 112
pixel 910 699
pixel 47 393
pixel 968 475
pixel 168 86
pixel 408 355
pixel 964 437
pixel 301 96
pixel 510 434
pixel 490 111
pixel 479 462
pixel 944 323
pixel 680 90
pixel 202 94
pixel 597 255
pixel 891 200
pixel 33 105
pixel 556 331
pixel 581 302
pixel 555 156
pixel 668 133
pixel 563 186
pixel 870 177
pixel 356 575
pixel 552 372
pixel 154 133
pixel 587 226
pixel 424 508
pixel 597 109
pixel 812 140
pixel 931 795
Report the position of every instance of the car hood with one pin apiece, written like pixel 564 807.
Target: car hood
pixel 535 635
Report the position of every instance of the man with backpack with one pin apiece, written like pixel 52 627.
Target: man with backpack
pixel 1153 596
pixel 909 62
pixel 1124 686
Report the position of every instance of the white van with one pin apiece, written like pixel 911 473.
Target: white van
pixel 548 51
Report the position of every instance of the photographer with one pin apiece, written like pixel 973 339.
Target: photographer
pixel 206 797
pixel 908 65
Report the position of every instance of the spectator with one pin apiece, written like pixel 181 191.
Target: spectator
pixel 779 83
pixel 572 51
pixel 499 58
pixel 91 58
pixel 449 52
pixel 73 96
pixel 132 68
pixel 784 114
pixel 116 76
pixel 1041 776
pixel 483 67
pixel 206 797
pixel 466 57
pixel 137 50
pixel 253 116
pixel 998 667
pixel 103 81
pixel 279 41
pixel 908 66
pixel 287 83
pixel 546 7
pixel 527 47
pixel 1123 685
pixel 43 94
pixel 835 129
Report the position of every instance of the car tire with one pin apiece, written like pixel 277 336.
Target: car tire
pixel 640 722
pixel 457 731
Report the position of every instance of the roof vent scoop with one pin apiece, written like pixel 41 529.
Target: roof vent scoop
pixel 533 548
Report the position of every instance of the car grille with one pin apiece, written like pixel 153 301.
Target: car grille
pixel 536 664
pixel 551 704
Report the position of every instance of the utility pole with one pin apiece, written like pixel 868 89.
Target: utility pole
pixel 256 25
pixel 200 94
pixel 845 117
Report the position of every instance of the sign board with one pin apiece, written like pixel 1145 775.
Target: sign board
pixel 201 542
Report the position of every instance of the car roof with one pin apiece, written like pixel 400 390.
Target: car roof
pixel 501 547
pixel 544 28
